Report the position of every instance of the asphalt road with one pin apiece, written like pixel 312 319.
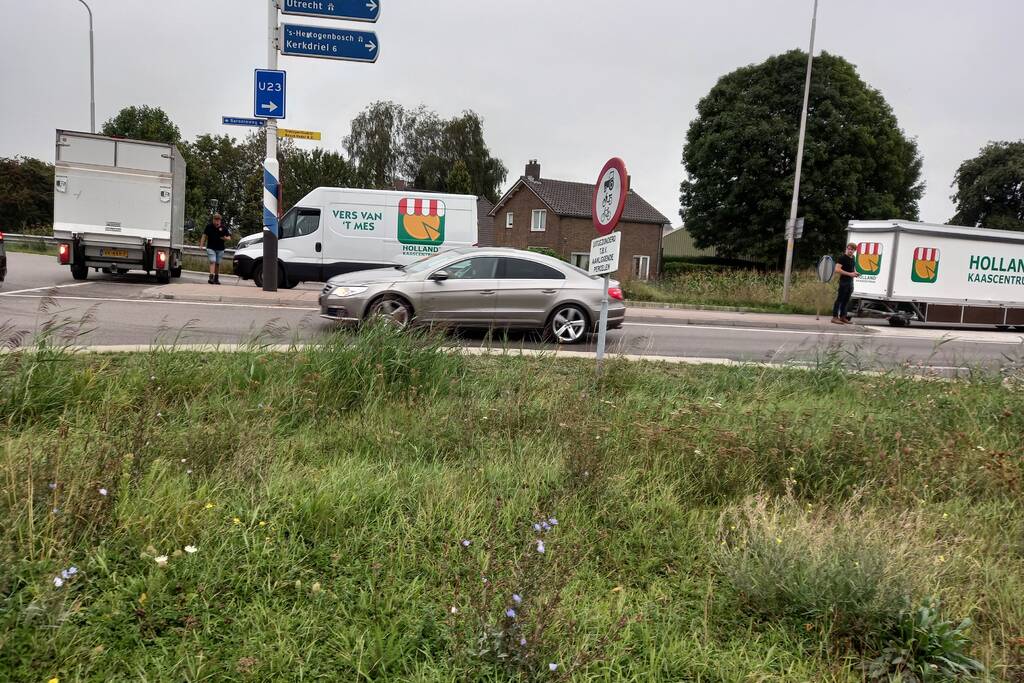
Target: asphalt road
pixel 108 310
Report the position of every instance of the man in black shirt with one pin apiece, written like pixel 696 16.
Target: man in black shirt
pixel 846 271
pixel 214 238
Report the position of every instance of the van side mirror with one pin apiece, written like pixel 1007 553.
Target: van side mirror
pixel 440 276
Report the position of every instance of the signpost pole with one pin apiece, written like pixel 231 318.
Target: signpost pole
pixel 271 171
pixel 602 332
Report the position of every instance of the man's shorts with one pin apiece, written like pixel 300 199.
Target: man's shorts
pixel 215 255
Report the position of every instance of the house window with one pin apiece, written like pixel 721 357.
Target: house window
pixel 581 259
pixel 641 267
pixel 540 220
pixel 508 219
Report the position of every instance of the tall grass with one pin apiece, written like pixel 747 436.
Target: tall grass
pixel 737 288
pixel 327 494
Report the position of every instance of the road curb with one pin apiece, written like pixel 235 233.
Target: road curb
pixel 212 298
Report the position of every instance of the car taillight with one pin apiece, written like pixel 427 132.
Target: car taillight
pixel 616 293
pixel 161 260
pixel 64 253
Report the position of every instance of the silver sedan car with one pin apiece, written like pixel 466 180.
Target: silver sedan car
pixel 478 288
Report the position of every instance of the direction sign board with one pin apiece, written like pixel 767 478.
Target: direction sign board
pixel 269 102
pixel 610 196
pixel 350 10
pixel 329 43
pixel 239 121
pixel 604 254
pixel 301 134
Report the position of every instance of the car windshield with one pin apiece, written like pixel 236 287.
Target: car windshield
pixel 429 262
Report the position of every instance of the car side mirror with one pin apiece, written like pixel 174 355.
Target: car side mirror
pixel 440 276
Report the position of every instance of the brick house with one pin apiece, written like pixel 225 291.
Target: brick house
pixel 555 214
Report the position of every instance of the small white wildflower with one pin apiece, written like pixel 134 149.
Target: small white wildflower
pixel 72 570
pixel 188 471
pixel 191 549
pixel 103 491
pixel 466 543
pixel 540 546
pixel 553 666
pixel 161 560
pixel 184 459
pixel 58 582
pixel 536 527
pixel 159 414
pixel 516 598
pixel 454 609
pixel 52 485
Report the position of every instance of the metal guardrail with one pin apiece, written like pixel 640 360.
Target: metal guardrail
pixel 47 240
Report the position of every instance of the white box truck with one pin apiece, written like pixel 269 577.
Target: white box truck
pixel 333 230
pixel 940 274
pixel 118 205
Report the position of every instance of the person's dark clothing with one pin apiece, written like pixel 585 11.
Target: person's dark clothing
pixel 845 287
pixel 846 263
pixel 215 236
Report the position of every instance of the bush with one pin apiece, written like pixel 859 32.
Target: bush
pixel 546 252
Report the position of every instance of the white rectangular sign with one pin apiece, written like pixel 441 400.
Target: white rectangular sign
pixel 604 254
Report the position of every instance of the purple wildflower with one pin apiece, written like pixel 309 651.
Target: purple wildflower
pixel 516 598
pixel 510 613
pixel 553 522
pixel 466 543
pixel 540 546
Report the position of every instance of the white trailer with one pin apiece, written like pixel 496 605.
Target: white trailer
pixel 118 205
pixel 938 273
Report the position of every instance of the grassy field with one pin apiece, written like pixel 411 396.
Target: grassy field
pixel 372 510
pixel 738 288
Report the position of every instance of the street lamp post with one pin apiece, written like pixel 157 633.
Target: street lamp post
pixel 92 74
pixel 791 225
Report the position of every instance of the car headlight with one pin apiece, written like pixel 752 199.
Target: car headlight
pixel 344 291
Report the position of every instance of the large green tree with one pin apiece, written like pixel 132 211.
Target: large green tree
pixel 389 142
pixel 739 159
pixel 26 194
pixel 302 171
pixel 143 123
pixel 990 188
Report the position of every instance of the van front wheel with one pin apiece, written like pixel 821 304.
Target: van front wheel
pixel 257 276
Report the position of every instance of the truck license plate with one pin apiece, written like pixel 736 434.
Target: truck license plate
pixel 115 253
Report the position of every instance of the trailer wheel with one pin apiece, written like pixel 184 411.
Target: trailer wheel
pixel 899 321
pixel 163 276
pixel 79 272
pixel 176 272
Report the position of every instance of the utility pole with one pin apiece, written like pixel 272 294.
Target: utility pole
pixel 791 224
pixel 92 74
pixel 271 170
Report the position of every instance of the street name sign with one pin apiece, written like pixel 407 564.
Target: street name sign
pixel 604 254
pixel 610 195
pixel 329 43
pixel 269 102
pixel 239 121
pixel 349 10
pixel 300 134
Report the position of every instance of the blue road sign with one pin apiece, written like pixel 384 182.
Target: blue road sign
pixel 238 121
pixel 329 43
pixel 269 101
pixel 350 10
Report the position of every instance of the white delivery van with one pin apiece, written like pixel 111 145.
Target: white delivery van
pixel 337 230
pixel 941 274
pixel 118 205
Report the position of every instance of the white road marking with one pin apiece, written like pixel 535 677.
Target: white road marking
pixel 41 289
pixel 937 336
pixel 175 302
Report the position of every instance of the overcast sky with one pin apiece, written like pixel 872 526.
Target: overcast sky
pixel 570 82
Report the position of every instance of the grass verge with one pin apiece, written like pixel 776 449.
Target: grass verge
pixel 747 289
pixel 370 509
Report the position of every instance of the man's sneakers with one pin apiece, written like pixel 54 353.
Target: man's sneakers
pixel 842 321
pixel 214 280
pixel 210 281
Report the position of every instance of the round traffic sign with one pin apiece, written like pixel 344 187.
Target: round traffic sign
pixel 610 195
pixel 826 268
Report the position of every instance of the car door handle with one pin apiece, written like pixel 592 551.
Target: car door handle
pixel 548 291
pixel 487 292
pixel 319 246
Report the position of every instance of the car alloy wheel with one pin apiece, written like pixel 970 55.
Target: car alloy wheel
pixel 568 325
pixel 393 311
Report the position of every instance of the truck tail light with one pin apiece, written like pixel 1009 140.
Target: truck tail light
pixel 616 293
pixel 160 260
pixel 64 254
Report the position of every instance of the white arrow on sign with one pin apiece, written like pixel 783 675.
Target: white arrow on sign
pixel 269 106
pixel 372 5
pixel 371 46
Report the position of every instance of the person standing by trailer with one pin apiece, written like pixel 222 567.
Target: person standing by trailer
pixel 214 239
pixel 846 270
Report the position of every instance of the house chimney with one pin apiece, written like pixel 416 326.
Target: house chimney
pixel 533 169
